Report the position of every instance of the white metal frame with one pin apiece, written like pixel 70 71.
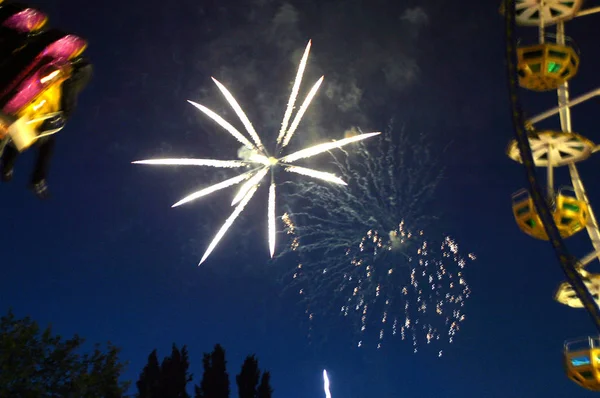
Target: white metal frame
pixel 564 111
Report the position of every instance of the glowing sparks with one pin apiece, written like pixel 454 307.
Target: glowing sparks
pixel 357 257
pixel 259 157
pixel 326 384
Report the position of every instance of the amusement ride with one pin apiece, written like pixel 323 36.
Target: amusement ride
pixel 35 62
pixel 553 214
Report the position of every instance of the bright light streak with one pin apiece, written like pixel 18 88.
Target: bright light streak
pixel 214 188
pixel 303 108
pixel 254 181
pixel 326 384
pixel 225 124
pixel 238 111
pixel 317 149
pixel 193 162
pixel 316 174
pixel 294 93
pixel 51 76
pixel 271 215
pixel 238 210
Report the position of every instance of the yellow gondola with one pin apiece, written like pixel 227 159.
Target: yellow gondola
pixel 544 67
pixel 570 214
pixel 582 362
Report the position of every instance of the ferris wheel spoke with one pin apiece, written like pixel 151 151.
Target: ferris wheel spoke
pixel 537 145
pixel 524 4
pixel 555 155
pixel 560 154
pixel 539 154
pixel 571 150
pixel 563 139
pixel 590 257
pixel 528 13
pixel 546 14
pixel 560 7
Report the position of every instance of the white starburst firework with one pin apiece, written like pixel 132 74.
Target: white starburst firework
pixel 260 162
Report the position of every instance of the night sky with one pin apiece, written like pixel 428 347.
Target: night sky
pixel 108 258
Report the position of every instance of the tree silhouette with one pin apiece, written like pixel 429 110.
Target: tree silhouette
pixel 247 380
pixel 148 384
pixel 264 388
pixel 174 373
pixel 215 380
pixel 168 380
pixel 35 363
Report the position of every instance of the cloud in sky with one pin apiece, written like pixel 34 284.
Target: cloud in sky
pixel 368 56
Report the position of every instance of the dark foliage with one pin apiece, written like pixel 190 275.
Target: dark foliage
pixel 168 380
pixel 36 363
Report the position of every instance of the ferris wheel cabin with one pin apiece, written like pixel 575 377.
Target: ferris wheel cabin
pixel 570 214
pixel 582 362
pixel 565 294
pixel 544 67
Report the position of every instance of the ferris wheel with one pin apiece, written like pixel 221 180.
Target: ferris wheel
pixel 549 65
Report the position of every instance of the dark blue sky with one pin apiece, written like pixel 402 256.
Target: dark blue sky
pixel 107 258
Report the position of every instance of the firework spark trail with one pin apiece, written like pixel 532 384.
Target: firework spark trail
pixel 361 251
pixel 252 182
pixel 320 148
pixel 194 162
pixel 271 215
pixel 303 108
pixel 238 210
pixel 213 188
pixel 326 384
pixel 259 156
pixel 317 174
pixel 225 124
pixel 240 113
pixel 294 94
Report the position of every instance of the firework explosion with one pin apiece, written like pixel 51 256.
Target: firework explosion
pixel 256 157
pixel 362 252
